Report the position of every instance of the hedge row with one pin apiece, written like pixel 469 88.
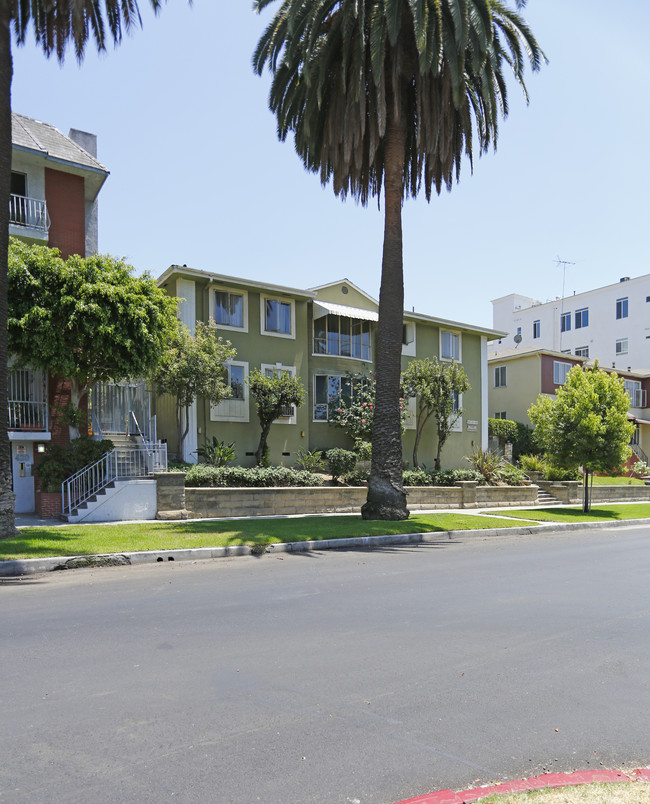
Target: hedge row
pixel 203 475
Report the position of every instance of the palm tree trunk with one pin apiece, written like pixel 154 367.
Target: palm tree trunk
pixel 386 497
pixel 7 497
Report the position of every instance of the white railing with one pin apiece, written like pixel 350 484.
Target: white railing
pixel 30 212
pixel 122 463
pixel 27 415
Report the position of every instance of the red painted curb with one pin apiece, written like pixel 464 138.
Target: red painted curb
pixel 534 783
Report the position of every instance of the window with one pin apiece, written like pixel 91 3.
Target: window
pixel 560 370
pixel 500 376
pixel 582 351
pixel 408 339
pixel 342 336
pixel 235 408
pixel 621 307
pixel 582 318
pixel 565 322
pixel 231 309
pixel 500 414
pixel 621 346
pixel 278 317
pixel 637 394
pixel 457 426
pixel 536 329
pixel 327 389
pixel 288 415
pixel 449 346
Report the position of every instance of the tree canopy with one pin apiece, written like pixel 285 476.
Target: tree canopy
pixel 390 95
pixel 191 366
pixel 437 387
pixel 85 319
pixel 274 394
pixel 586 424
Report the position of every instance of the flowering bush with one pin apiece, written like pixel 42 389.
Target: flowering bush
pixel 354 411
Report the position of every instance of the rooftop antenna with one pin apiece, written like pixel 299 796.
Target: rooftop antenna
pixel 564 264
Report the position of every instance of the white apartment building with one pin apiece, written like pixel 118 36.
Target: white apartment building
pixel 609 324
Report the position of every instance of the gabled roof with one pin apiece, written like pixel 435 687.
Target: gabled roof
pixel 347 282
pixel 28 134
pixel 213 278
pixel 529 351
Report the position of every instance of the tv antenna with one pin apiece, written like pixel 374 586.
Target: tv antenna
pixel 564 264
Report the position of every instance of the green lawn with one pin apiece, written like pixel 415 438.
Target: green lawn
pixel 117 538
pixel 616 481
pixel 597 514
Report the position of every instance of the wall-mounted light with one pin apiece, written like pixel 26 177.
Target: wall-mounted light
pixel 302 434
pixel 40 448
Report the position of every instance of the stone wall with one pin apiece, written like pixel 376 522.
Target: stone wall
pixel 224 502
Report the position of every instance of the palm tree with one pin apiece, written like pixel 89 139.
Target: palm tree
pixel 55 23
pixel 391 93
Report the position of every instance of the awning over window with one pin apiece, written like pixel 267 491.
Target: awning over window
pixel 636 419
pixel 322 308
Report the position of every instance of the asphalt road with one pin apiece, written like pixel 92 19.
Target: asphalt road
pixel 351 676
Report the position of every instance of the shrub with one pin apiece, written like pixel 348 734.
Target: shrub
pixel 532 463
pixel 179 466
pixel 416 477
pixel 641 469
pixel 217 453
pixel 488 463
pixel 59 463
pixel 512 475
pixel 203 475
pixel 341 461
pixel 503 429
pixel 359 477
pixel 310 461
pixel 443 477
pixel 557 473
pixel 363 449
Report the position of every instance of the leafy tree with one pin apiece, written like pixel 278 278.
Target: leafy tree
pixel 85 319
pixel 192 366
pixel 390 94
pixel 273 394
pixel 436 387
pixel 586 424
pixel 55 23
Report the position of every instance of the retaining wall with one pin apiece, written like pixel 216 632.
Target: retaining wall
pixel 218 502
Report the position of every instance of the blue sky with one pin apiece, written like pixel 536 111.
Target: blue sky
pixel 199 177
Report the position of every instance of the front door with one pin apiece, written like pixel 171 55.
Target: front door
pixel 22 463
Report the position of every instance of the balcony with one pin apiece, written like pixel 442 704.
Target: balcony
pixel 29 213
pixel 27 401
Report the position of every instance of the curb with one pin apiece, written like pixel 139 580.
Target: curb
pixel 29 566
pixel 547 780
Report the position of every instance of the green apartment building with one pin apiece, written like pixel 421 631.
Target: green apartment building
pixel 322 335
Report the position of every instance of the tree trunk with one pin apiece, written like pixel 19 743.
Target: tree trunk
pixel 586 501
pixel 259 454
pixel 77 393
pixel 181 431
pixel 7 497
pixel 386 497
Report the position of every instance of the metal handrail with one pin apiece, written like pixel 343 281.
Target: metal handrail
pixel 121 463
pixel 640 454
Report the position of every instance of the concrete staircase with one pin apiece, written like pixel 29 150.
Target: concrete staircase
pixel 545 498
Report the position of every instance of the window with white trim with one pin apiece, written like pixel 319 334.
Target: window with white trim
pixel 457 426
pixel 450 346
pixel 582 351
pixel 408 339
pixel 636 392
pixel 231 309
pixel 537 328
pixel 288 415
pixel 621 346
pixel 622 307
pixel 342 336
pixel 235 408
pixel 278 317
pixel 500 376
pixel 500 414
pixel 560 370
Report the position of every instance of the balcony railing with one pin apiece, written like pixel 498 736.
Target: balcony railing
pixel 29 212
pixel 28 416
